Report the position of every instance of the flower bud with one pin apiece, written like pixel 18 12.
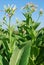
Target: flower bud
pixel 33 9
pixel 14 8
pixel 41 11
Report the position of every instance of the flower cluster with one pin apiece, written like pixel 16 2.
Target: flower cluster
pixel 10 10
pixel 30 7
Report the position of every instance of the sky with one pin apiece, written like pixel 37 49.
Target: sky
pixel 19 4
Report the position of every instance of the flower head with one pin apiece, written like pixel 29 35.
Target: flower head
pixel 33 9
pixel 30 4
pixel 30 7
pixel 41 11
pixel 10 10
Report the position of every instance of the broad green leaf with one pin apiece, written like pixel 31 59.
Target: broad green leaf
pixel 15 58
pixel 26 54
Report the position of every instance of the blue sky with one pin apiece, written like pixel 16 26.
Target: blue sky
pixel 19 4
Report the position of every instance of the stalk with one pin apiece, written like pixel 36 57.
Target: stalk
pixel 10 32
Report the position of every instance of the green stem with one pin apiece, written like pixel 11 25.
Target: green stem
pixel 10 32
pixel 9 21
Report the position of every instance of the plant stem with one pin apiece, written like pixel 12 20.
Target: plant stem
pixel 10 32
pixel 9 21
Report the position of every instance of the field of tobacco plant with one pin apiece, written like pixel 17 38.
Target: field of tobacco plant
pixel 24 45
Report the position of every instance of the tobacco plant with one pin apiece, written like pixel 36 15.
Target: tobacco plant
pixel 24 46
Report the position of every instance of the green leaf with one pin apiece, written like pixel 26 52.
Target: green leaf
pixel 34 53
pixel 26 54
pixel 35 25
pixel 1 63
pixel 31 62
pixel 15 58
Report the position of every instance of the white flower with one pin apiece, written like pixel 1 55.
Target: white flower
pixel 30 4
pixel 41 11
pixel 14 8
pixel 30 7
pixel 33 9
